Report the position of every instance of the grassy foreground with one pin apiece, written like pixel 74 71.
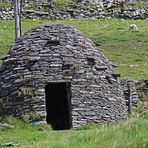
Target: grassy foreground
pixel 131 133
pixel 129 50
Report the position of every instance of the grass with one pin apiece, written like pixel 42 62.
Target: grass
pixel 129 50
pixel 140 5
pixel 131 133
pixel 7 6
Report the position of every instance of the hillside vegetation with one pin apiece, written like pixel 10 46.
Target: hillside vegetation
pixel 129 50
pixel 131 133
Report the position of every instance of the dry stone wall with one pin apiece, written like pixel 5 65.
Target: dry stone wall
pixel 130 92
pixel 79 11
pixel 59 53
pixel 142 89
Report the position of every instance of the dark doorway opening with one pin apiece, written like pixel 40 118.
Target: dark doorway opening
pixel 58 105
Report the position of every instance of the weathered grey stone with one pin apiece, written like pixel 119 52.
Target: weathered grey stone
pixel 82 11
pixel 94 96
pixel 5 125
pixel 130 93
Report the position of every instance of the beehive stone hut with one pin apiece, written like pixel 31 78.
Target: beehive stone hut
pixel 55 74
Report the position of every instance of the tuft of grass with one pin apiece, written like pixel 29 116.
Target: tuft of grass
pixel 10 120
pixel 62 3
pixel 7 6
pixel 139 5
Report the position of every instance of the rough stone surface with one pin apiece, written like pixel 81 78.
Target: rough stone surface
pixel 5 125
pixel 80 11
pixel 59 53
pixel 142 89
pixel 130 92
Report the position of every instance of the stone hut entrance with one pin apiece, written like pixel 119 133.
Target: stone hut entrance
pixel 58 105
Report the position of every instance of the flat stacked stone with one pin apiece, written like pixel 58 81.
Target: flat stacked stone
pixel 130 92
pixel 59 53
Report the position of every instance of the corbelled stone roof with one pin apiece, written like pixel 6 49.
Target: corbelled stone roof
pixel 59 53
